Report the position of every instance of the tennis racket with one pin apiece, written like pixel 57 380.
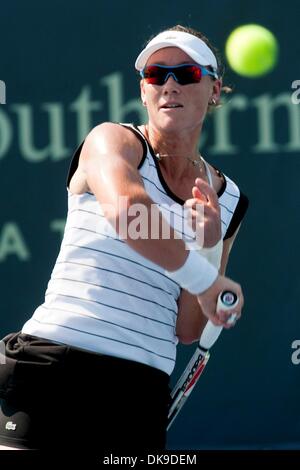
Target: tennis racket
pixel 198 361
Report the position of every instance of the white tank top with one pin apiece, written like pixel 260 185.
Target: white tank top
pixel 106 298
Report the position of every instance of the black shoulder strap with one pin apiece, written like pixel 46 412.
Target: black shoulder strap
pixel 141 138
pixel 74 163
pixel 238 215
pixel 75 157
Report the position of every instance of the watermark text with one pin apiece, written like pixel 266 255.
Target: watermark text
pixel 2 353
pixel 2 92
pixel 296 95
pixel 296 354
pixel 141 221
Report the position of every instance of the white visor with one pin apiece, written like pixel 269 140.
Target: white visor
pixel 190 44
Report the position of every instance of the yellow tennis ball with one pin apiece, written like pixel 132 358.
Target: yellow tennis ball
pixel 251 50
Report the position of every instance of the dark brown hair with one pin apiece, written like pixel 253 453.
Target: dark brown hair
pixel 201 36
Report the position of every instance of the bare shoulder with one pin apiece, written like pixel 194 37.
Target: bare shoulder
pixel 113 139
pixel 105 140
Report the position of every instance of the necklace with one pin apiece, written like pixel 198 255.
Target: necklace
pixel 199 161
pixel 195 161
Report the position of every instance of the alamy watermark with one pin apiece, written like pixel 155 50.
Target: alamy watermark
pixel 2 92
pixel 296 354
pixel 2 353
pixel 139 221
pixel 295 98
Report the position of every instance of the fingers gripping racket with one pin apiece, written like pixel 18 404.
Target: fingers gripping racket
pixel 187 381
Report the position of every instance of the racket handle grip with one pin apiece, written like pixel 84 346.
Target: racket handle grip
pixel 226 301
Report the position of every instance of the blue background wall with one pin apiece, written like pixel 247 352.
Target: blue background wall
pixel 69 65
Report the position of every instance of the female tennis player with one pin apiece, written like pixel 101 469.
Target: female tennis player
pixel 90 369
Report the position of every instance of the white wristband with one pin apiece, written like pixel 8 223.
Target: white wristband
pixel 213 254
pixel 196 275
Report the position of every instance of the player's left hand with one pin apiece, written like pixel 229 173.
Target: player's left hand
pixel 203 213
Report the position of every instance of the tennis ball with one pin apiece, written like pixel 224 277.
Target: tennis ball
pixel 251 50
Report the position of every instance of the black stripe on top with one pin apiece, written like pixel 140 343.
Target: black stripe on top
pixel 129 260
pixel 166 187
pixel 101 286
pixel 238 215
pixel 133 128
pixel 74 163
pixel 85 315
pixel 48 293
pixel 101 336
pixel 115 272
pixel 75 158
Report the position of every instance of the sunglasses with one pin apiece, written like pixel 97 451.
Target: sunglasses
pixel 184 74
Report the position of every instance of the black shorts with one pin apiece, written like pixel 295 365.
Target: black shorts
pixel 53 395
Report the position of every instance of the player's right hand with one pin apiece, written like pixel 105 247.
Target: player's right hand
pixel 208 302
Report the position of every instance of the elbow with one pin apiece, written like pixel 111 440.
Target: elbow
pixel 188 333
pixel 187 338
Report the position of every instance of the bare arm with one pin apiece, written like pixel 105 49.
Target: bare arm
pixel 109 161
pixel 191 321
pixel 110 158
